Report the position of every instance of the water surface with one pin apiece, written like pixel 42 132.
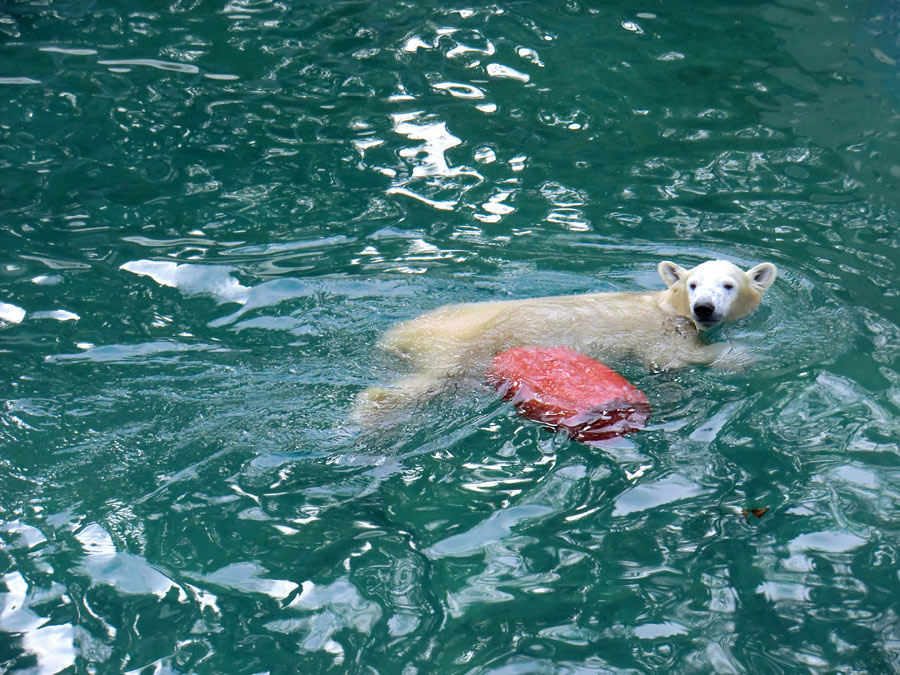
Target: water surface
pixel 209 212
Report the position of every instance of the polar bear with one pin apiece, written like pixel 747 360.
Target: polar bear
pixel 661 329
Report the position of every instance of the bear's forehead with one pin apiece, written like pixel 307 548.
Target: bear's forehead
pixel 715 269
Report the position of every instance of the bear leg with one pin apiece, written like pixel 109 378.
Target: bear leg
pixel 380 406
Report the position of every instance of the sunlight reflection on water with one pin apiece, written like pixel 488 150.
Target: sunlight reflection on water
pixel 210 216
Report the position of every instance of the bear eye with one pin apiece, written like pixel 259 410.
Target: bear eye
pixel 693 285
pixel 728 285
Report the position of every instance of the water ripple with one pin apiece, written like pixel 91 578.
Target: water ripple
pixel 209 216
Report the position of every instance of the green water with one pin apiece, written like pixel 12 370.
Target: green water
pixel 210 211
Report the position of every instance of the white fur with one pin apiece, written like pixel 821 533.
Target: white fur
pixel 718 288
pixel 661 329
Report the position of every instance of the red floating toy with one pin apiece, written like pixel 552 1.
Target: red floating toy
pixel 569 392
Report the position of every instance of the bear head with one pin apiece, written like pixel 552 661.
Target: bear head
pixel 716 290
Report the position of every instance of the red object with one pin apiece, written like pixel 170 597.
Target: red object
pixel 569 391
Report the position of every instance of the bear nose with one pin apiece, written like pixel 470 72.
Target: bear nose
pixel 703 310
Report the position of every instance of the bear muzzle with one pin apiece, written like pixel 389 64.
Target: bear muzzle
pixel 705 315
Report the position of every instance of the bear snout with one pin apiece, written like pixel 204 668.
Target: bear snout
pixel 705 312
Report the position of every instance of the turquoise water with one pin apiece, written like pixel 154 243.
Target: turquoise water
pixel 209 212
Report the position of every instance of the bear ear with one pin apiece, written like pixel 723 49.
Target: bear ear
pixel 763 275
pixel 670 272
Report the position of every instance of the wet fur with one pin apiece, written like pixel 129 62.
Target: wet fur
pixel 658 328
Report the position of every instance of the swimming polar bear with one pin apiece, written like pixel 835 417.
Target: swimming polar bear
pixel 660 328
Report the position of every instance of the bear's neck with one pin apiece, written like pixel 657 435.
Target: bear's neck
pixel 673 301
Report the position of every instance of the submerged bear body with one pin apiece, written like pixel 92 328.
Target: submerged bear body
pixel 661 329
